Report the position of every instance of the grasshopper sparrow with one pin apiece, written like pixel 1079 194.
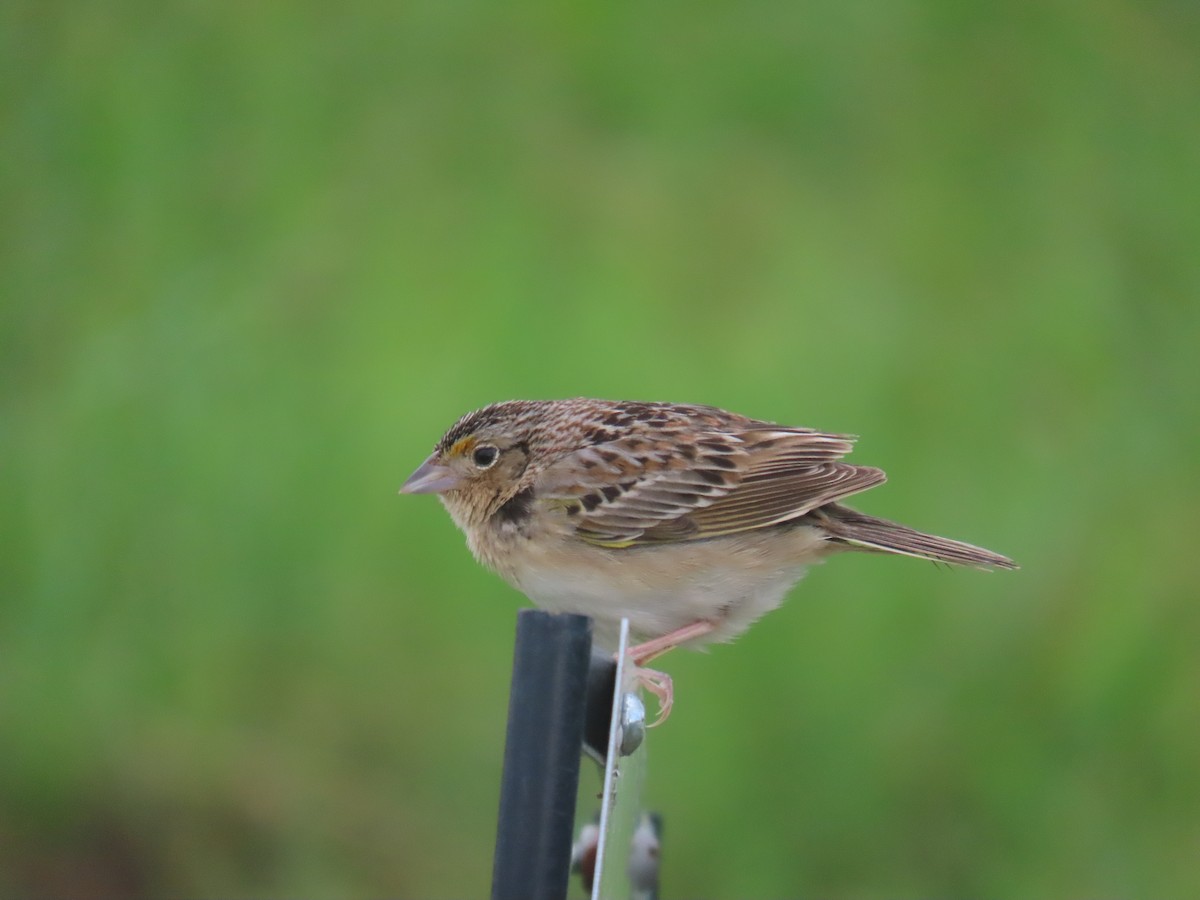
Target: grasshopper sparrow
pixel 689 520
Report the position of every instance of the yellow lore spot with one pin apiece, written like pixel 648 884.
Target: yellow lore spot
pixel 463 446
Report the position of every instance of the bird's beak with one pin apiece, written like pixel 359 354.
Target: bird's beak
pixel 430 478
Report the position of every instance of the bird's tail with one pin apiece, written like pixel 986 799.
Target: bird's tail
pixel 850 527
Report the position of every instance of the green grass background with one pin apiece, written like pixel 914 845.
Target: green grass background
pixel 257 256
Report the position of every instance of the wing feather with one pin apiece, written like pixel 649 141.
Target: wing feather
pixel 777 498
pixel 655 485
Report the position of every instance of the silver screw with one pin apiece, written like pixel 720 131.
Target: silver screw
pixel 633 722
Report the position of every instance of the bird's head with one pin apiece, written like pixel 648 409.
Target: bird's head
pixel 477 466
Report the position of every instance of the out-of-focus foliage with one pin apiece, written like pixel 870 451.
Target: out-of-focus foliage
pixel 257 256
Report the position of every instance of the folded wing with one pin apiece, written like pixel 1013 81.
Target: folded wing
pixel 650 488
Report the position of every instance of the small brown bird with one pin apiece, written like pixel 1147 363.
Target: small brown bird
pixel 689 520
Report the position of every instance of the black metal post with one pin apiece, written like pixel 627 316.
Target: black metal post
pixel 541 756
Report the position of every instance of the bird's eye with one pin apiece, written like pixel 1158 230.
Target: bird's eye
pixel 485 456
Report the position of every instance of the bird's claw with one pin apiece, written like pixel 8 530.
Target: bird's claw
pixel 659 684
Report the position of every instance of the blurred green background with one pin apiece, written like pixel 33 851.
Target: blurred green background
pixel 256 257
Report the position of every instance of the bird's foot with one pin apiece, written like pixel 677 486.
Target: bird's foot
pixel 659 684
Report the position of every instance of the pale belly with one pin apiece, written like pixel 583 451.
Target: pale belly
pixel 729 581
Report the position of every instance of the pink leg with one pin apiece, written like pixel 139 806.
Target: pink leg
pixel 652 649
pixel 659 683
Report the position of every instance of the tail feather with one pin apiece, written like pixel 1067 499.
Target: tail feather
pixel 848 526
